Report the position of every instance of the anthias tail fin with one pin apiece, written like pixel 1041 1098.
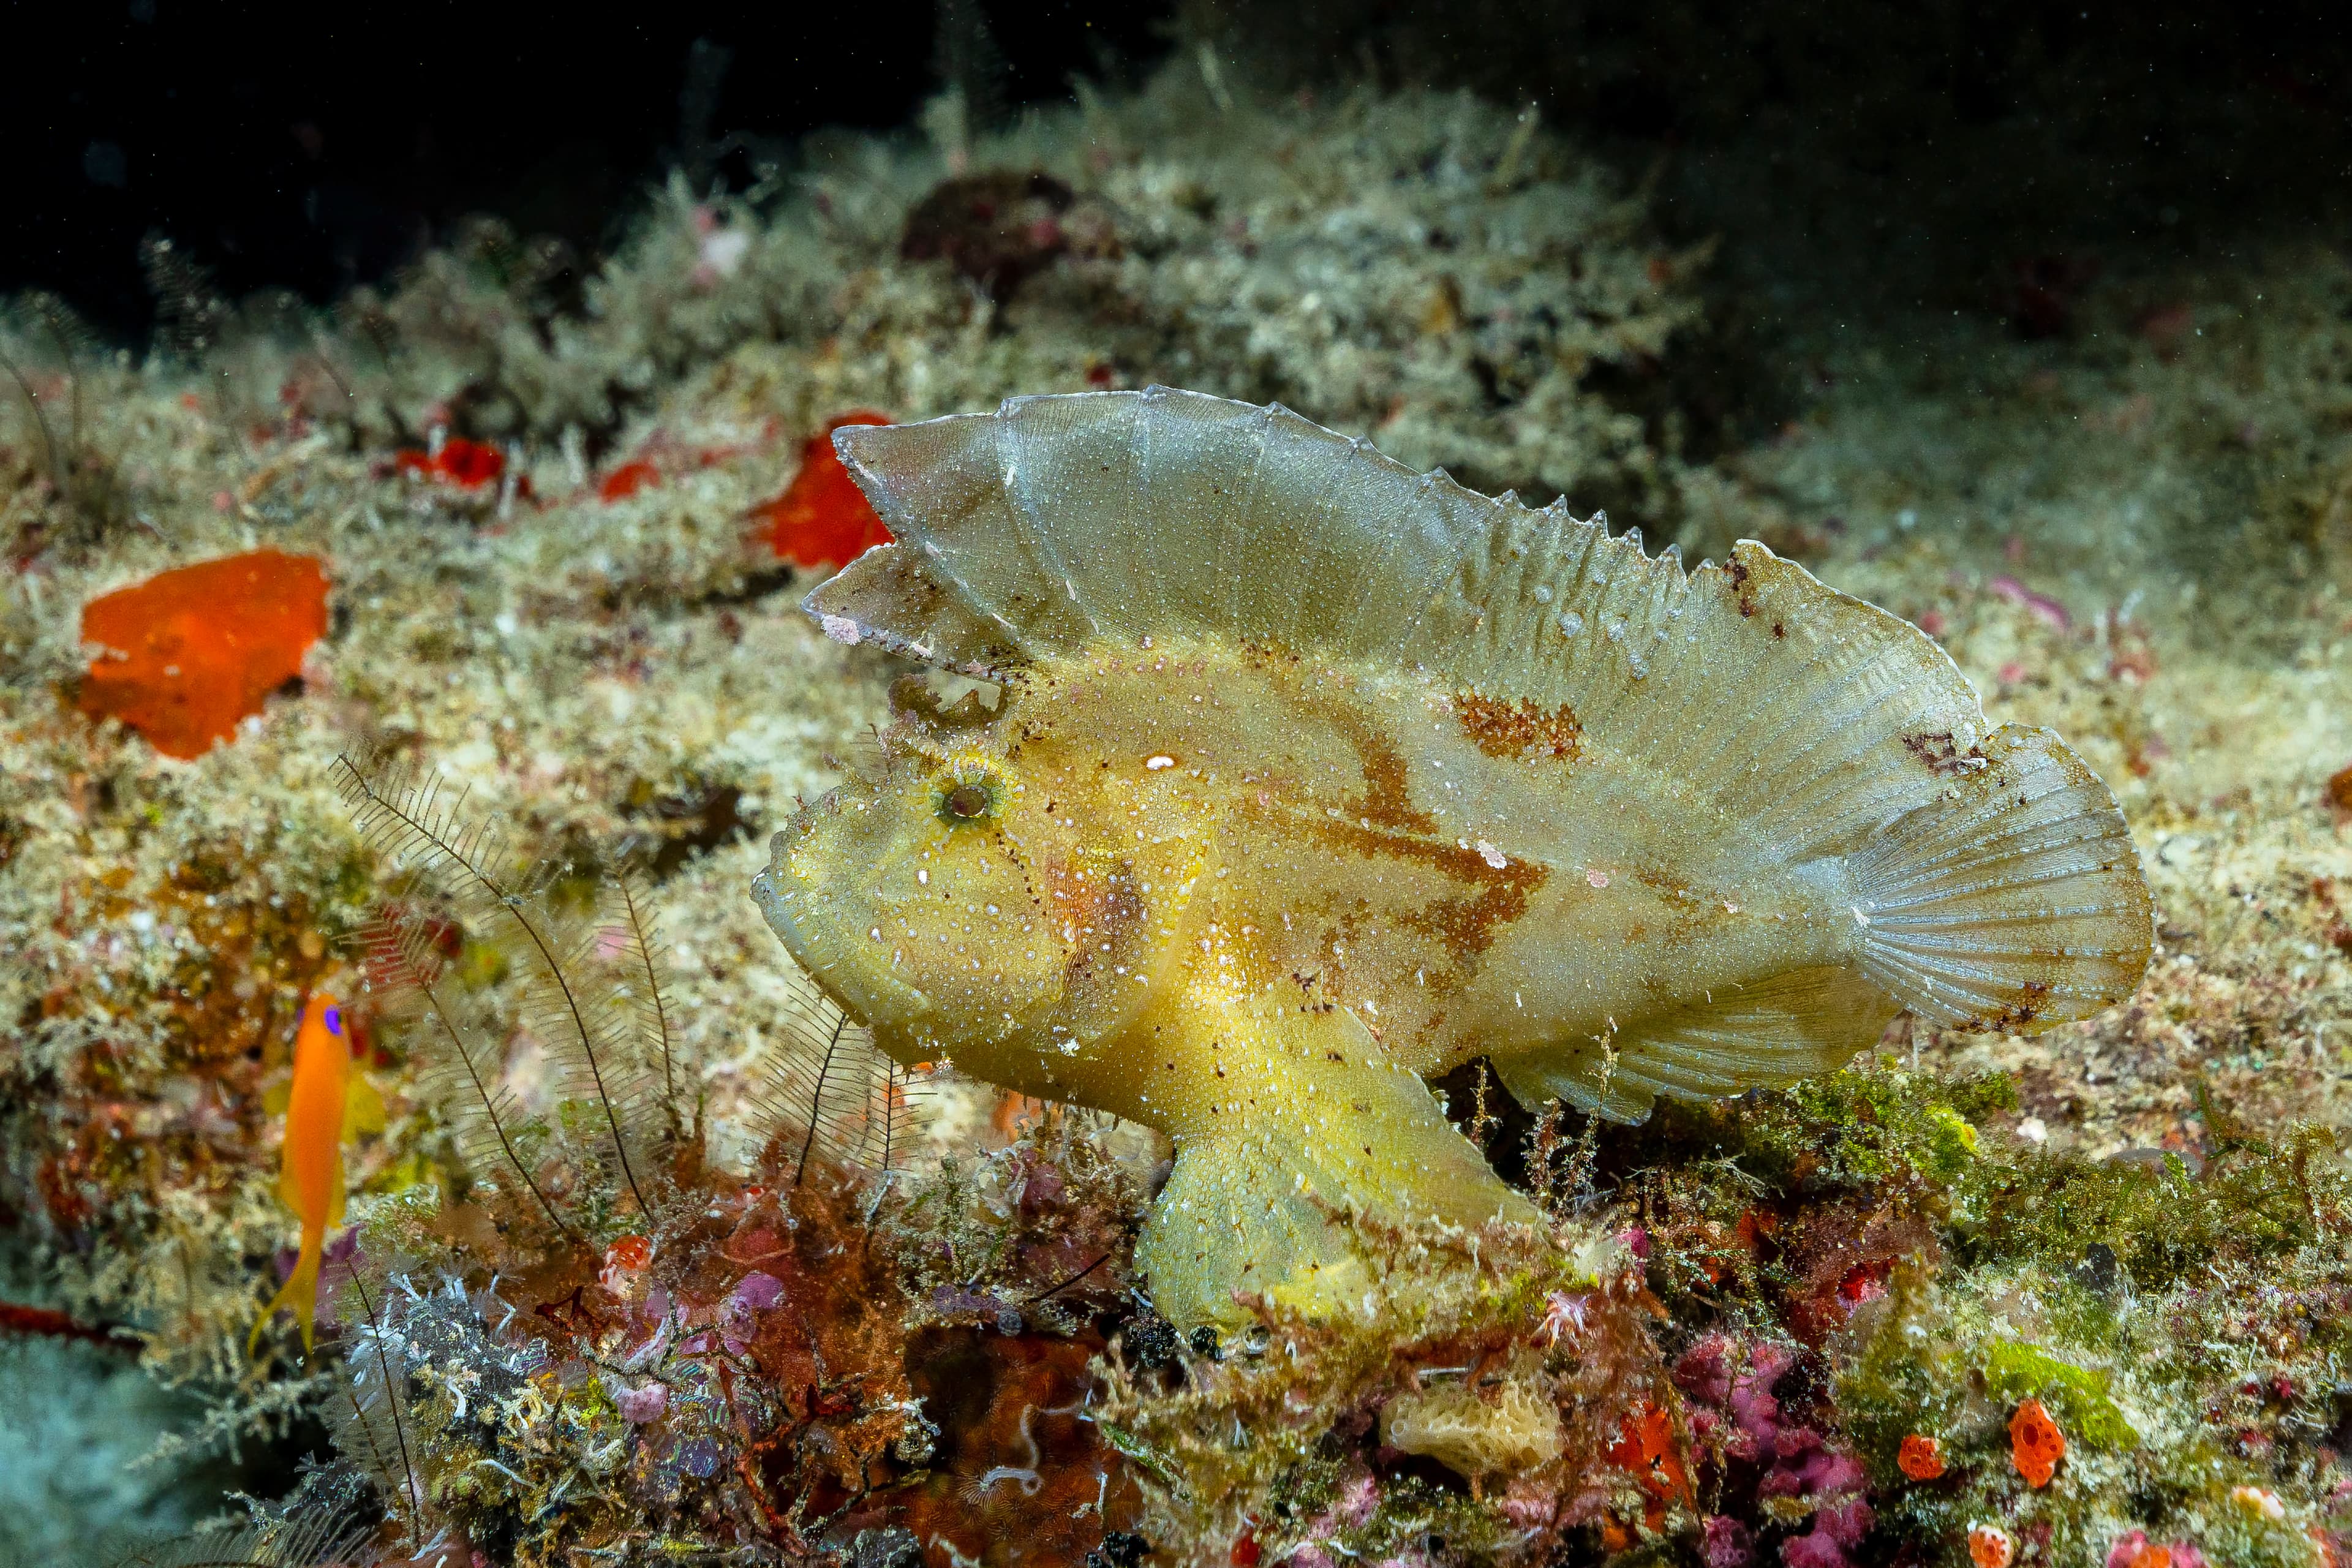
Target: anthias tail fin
pixel 300 1292
pixel 1309 1125
pixel 2015 900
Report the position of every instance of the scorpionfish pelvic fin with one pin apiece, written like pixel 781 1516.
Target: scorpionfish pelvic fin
pixel 1304 1121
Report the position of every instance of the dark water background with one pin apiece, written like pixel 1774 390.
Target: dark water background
pixel 1990 152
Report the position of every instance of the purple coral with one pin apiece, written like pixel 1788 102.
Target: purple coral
pixel 757 1292
pixel 640 1405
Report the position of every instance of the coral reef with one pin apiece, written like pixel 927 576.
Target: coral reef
pixel 784 1302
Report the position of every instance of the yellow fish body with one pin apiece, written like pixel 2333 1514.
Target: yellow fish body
pixel 1312 775
pixel 327 1100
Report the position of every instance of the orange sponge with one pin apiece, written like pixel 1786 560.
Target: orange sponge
pixel 823 519
pixel 186 654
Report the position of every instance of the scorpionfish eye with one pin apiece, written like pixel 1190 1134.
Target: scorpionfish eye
pixel 967 797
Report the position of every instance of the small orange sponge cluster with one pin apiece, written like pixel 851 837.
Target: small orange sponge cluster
pixel 823 519
pixel 1921 1458
pixel 187 653
pixel 2035 1443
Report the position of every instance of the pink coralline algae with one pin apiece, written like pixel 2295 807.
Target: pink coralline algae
pixel 1838 1527
pixel 640 1405
pixel 759 1291
pixel 1733 1410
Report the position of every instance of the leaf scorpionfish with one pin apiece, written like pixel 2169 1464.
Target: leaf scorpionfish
pixel 1312 776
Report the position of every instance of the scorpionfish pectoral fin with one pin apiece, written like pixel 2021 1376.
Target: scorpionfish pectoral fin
pixel 1301 1124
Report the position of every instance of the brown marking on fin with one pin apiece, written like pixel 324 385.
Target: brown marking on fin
pixel 1738 569
pixel 1689 911
pixel 2016 1015
pixel 1387 800
pixel 1939 753
pixel 1502 729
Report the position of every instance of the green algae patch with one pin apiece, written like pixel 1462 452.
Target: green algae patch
pixel 2015 1371
pixel 2252 1202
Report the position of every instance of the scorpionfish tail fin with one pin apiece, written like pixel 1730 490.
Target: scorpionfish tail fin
pixel 2014 901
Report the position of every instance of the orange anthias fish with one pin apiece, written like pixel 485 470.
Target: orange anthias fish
pixel 327 1102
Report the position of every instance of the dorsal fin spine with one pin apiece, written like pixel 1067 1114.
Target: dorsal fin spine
pixel 1244 502
pixel 944 568
pixel 1036 539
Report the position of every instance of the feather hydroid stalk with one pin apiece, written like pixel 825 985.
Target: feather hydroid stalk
pixel 593 1029
pixel 311 1536
pixel 816 1098
pixel 645 940
pixel 828 1093
pixel 494 1101
pixel 896 1091
pixel 413 1496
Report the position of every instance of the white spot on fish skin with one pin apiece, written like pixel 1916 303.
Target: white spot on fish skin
pixel 1859 918
pixel 1615 630
pixel 1492 856
pixel 1597 878
pixel 875 933
pixel 840 629
pixel 923 875
pixel 1543 594
pixel 1570 623
pixel 1155 764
